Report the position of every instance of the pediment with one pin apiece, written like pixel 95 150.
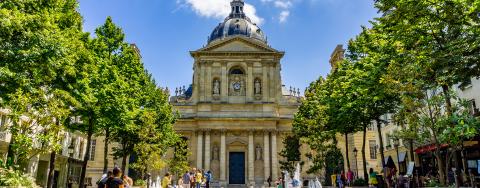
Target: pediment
pixel 237 44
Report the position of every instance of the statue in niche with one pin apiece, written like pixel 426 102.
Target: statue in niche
pixel 215 153
pixel 257 87
pixel 258 153
pixel 216 87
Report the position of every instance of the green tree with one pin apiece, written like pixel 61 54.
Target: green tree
pixel 291 154
pixel 425 114
pixel 107 47
pixel 39 42
pixel 437 42
pixel 179 163
pixel 310 125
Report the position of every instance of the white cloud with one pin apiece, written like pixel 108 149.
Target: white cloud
pixel 283 6
pixel 220 9
pixel 283 16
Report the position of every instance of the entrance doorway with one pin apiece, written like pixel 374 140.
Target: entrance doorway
pixel 236 168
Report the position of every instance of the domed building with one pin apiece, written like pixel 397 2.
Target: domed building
pixel 236 111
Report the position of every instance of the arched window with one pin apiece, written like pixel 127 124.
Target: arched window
pixel 236 71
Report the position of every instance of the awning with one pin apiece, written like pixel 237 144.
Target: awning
pixel 428 148
pixel 401 156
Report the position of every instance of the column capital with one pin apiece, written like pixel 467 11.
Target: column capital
pixel 274 131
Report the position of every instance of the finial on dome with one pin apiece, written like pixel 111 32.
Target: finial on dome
pixel 237 9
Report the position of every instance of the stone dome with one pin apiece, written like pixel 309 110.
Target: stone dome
pixel 237 23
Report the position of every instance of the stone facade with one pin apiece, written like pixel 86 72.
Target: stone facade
pixel 236 105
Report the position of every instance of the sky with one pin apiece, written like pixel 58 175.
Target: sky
pixel 166 30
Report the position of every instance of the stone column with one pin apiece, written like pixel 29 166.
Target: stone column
pixel 222 159
pixel 274 156
pixel 266 155
pixel 199 148
pixel 251 159
pixel 207 150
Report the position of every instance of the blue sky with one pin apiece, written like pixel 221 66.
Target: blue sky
pixel 166 30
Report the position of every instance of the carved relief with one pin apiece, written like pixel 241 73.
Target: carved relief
pixel 215 153
pixel 258 153
pixel 257 88
pixel 216 89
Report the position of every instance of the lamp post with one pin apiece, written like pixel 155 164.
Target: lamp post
pixel 396 143
pixel 70 149
pixel 355 151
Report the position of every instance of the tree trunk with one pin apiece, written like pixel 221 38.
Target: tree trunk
pixel 11 156
pixel 105 151
pixel 380 138
pixel 346 151
pixel 412 158
pixel 440 165
pixel 51 169
pixel 124 164
pixel 87 153
pixel 448 101
pixel 364 158
pixel 448 107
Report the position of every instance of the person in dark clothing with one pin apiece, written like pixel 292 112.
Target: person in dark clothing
pixel 115 181
pixel 269 181
pixel 101 183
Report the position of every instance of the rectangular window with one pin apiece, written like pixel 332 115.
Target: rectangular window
pixel 473 107
pixel 3 120
pixel 92 150
pixel 373 149
pixel 370 127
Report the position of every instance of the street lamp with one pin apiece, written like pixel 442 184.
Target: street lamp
pixel 70 149
pixel 396 143
pixel 355 151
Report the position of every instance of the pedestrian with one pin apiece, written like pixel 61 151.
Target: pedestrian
pixel 198 179
pixel 333 178
pixel 280 183
pixel 186 179
pixel 180 183
pixel 339 180
pixel 128 182
pixel 166 181
pixel 208 177
pixel 372 178
pixel 101 183
pixel 115 181
pixel 269 181
pixel 349 177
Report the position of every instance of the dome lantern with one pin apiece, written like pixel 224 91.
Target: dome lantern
pixel 237 24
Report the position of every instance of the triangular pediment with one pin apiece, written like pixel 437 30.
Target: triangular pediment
pixel 237 44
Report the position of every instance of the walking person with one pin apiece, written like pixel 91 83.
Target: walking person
pixel 372 179
pixel 208 177
pixel 186 179
pixel 333 178
pixel 349 177
pixel 198 179
pixel 192 178
pixel 128 182
pixel 339 180
pixel 166 181
pixel 115 181
pixel 180 183
pixel 103 181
